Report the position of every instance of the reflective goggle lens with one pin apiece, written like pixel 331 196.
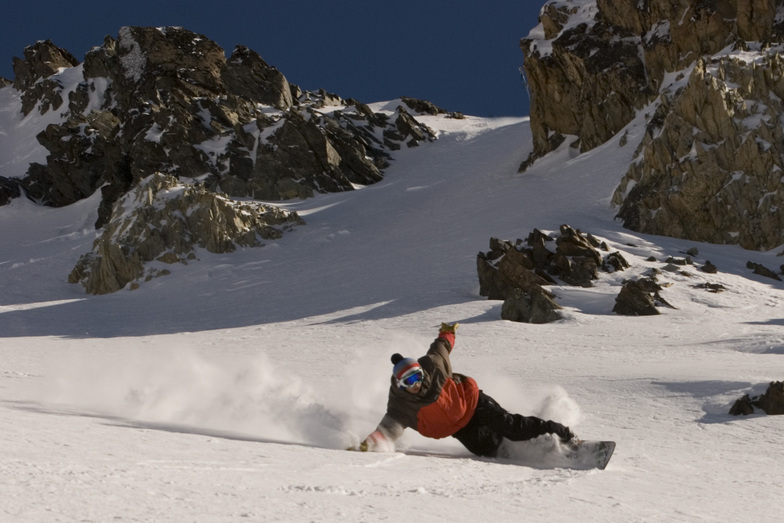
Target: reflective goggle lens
pixel 412 379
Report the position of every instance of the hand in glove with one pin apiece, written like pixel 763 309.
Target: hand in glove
pixel 563 432
pixel 374 442
pixel 445 327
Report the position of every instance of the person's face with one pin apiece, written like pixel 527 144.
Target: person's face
pixel 415 388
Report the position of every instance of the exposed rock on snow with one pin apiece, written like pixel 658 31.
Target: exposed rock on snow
pixel 638 298
pixel 9 189
pixel 575 260
pixel 163 220
pixel 535 306
pixel 709 167
pixel 167 100
pixel 516 274
pixel 771 402
pixel 760 269
pixel 41 60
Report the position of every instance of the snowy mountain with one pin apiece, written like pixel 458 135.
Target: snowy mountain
pixel 227 389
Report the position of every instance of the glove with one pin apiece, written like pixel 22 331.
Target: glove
pixel 373 442
pixel 563 432
pixel 445 327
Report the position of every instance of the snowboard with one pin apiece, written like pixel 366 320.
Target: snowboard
pixel 543 453
pixel 552 453
pixel 590 454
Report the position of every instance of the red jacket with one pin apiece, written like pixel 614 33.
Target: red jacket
pixel 445 403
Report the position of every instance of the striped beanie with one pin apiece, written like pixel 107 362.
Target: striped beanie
pixel 403 365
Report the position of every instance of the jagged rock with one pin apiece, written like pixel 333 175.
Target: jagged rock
pixel 742 407
pixel 713 147
pixel 248 76
pixel 762 270
pixel 509 266
pixel 708 76
pixel 576 261
pixel 585 79
pixel 615 262
pixel 33 75
pixel 41 60
pixel 422 106
pixel 771 402
pixel 588 79
pixel 9 189
pixel 164 220
pixel 407 130
pixel 638 298
pixel 535 306
pixel 167 100
pixel 709 268
pixel 505 268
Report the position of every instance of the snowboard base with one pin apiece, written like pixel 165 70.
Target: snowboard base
pixel 551 453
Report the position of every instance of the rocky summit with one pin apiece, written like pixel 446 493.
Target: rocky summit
pixel 707 78
pixel 168 100
pixel 166 103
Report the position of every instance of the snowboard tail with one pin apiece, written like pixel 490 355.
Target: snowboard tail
pixel 591 454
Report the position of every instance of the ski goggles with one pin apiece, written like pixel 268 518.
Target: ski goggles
pixel 411 378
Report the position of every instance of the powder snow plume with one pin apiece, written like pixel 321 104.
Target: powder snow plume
pixel 176 387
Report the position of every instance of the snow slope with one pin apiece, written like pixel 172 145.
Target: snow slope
pixel 227 390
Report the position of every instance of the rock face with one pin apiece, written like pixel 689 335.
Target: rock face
pixel 167 100
pixel 706 74
pixel 709 166
pixel 165 221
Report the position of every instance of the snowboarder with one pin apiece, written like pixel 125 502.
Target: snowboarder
pixel 427 396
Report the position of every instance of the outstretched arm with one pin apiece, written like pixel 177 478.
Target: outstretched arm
pixel 447 332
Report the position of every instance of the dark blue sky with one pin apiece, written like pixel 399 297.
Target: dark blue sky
pixel 462 55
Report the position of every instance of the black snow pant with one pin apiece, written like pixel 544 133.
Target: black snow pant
pixel 491 423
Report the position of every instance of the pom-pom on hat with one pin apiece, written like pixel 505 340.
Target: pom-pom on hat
pixel 403 365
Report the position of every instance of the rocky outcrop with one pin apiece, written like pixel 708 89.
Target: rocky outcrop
pixel 32 75
pixel 9 189
pixel 517 272
pixel 591 65
pixel 162 220
pixel 536 306
pixel 167 100
pixel 707 75
pixel 574 259
pixel 760 269
pixel 771 402
pixel 709 166
pixel 639 298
